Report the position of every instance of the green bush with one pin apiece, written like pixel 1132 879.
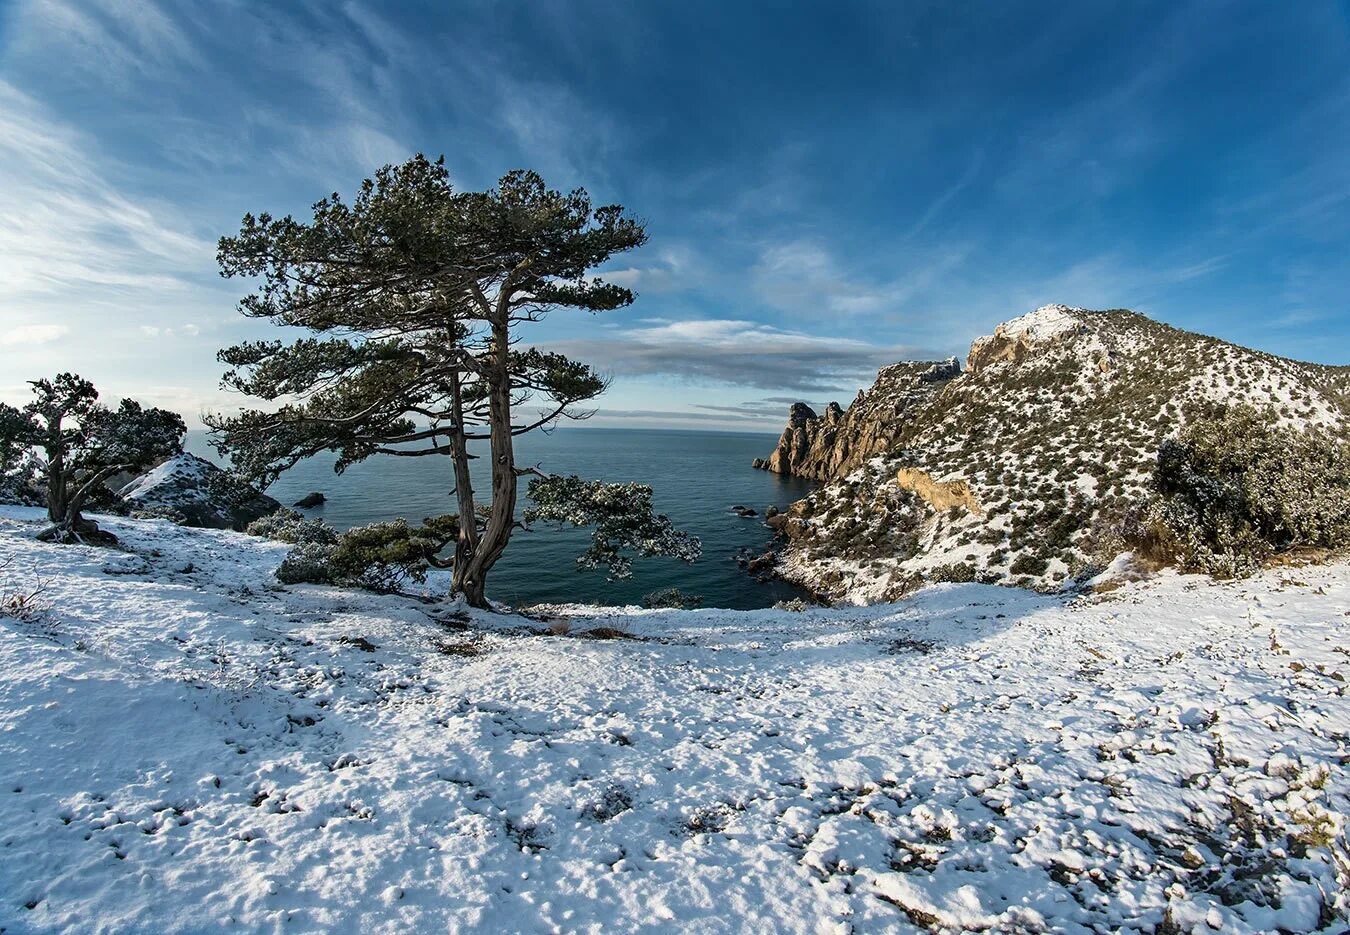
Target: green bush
pixel 381 557
pixel 384 556
pixel 958 572
pixel 671 598
pixel 1233 489
pixel 286 525
pixel 1027 564
pixel 307 563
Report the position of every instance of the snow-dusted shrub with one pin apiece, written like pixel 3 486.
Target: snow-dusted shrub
pixel 385 556
pixel 379 557
pixel 956 572
pixel 1234 488
pixel 671 598
pixel 286 525
pixel 307 563
pixel 21 485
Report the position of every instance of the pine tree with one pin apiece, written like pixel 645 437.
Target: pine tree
pixel 80 443
pixel 414 293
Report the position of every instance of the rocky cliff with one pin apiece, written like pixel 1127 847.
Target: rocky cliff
pixel 823 447
pixel 1010 470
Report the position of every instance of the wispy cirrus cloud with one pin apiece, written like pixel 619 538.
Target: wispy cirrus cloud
pixel 803 276
pixel 62 223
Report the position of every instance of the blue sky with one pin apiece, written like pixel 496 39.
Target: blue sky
pixel 828 187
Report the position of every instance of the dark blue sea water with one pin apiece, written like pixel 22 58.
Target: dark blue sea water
pixel 696 476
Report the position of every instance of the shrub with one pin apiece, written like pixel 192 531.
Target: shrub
pixel 384 556
pixel 24 602
pixel 286 525
pixel 959 573
pixel 1027 564
pixel 1233 489
pixel 671 598
pixel 380 557
pixel 307 563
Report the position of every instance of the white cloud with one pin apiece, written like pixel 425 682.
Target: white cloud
pixel 31 334
pixel 737 352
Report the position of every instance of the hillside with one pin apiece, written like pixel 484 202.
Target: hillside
pixel 189 746
pixel 1006 470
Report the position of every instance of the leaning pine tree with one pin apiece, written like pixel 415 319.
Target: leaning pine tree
pixel 77 444
pixel 414 293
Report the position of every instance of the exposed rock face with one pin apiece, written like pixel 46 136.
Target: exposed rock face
pixel 832 444
pixel 1049 434
pixel 1013 341
pixel 939 494
pixel 182 486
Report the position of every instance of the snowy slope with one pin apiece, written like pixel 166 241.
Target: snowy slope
pixel 186 746
pixel 1055 426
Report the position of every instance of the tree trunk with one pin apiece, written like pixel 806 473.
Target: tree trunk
pixel 467 542
pixel 502 517
pixel 63 509
pixel 57 480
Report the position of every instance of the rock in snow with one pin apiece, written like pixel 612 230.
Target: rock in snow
pixel 182 485
pixel 187 746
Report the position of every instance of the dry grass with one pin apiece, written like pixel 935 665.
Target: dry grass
pixel 23 602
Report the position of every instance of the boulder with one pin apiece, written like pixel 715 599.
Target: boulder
pixel 183 486
pixel 740 510
pixel 311 500
pixel 762 564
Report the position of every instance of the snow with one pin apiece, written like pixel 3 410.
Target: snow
pixel 1046 322
pixel 178 468
pixel 188 746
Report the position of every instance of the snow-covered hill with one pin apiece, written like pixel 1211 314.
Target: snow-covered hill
pixel 1051 430
pixel 186 746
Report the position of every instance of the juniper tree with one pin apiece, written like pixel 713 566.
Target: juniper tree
pixel 414 294
pixel 80 443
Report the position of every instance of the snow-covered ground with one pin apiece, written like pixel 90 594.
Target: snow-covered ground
pixel 186 746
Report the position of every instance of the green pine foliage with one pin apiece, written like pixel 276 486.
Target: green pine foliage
pixel 68 444
pixel 621 517
pixel 1234 488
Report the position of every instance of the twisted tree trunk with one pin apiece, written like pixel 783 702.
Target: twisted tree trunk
pixel 501 520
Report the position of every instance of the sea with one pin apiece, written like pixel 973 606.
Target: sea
pixel 696 477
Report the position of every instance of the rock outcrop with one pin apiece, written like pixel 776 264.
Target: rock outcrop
pixel 939 494
pixel 182 487
pixel 838 441
pixel 1044 440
